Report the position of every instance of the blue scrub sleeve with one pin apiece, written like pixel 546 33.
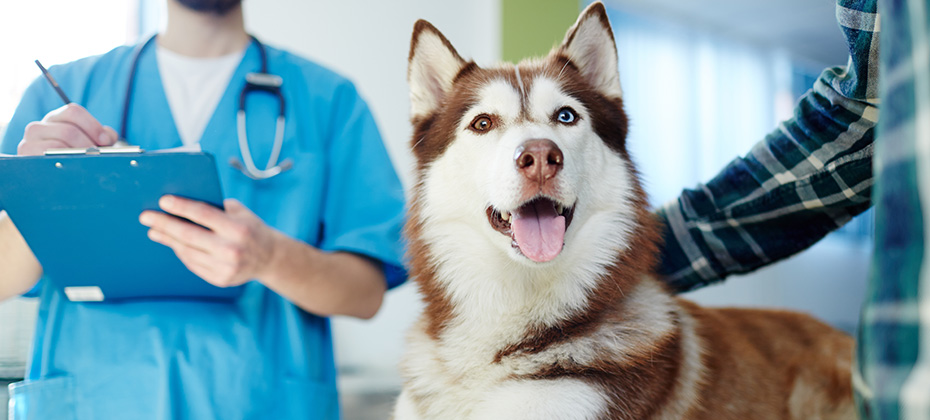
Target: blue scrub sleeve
pixel 364 205
pixel 33 106
pixel 38 100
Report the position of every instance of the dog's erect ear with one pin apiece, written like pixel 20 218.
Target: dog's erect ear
pixel 433 65
pixel 589 44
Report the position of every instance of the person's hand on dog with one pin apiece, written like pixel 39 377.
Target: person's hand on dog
pixel 228 249
pixel 70 126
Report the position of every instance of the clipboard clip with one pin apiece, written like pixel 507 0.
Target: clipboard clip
pixel 93 150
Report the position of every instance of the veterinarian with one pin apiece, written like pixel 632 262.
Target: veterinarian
pixel 319 238
pixel 814 174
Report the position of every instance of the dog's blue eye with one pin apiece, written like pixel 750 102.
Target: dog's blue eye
pixel 566 116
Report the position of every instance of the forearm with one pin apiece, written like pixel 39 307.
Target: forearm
pixel 324 283
pixel 802 181
pixel 20 270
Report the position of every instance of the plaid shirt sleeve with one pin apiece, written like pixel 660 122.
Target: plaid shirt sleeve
pixel 803 180
pixel 892 376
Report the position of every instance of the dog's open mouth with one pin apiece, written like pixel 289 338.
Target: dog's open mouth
pixel 537 228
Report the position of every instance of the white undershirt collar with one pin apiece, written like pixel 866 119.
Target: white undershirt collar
pixel 194 87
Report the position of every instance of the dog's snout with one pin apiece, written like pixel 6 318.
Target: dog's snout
pixel 539 159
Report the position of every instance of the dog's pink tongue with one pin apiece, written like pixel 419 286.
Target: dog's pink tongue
pixel 539 230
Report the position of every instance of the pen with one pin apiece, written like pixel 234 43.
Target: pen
pixel 54 83
pixel 61 93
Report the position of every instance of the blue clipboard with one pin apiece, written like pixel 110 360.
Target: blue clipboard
pixel 79 213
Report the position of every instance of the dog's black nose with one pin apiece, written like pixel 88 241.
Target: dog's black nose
pixel 538 160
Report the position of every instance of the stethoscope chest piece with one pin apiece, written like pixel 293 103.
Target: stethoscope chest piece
pixel 268 83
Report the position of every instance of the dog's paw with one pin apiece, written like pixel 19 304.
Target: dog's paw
pixel 555 399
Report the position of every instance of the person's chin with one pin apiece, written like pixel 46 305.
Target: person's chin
pixel 218 7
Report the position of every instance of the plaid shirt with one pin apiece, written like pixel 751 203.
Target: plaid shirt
pixel 893 374
pixel 813 174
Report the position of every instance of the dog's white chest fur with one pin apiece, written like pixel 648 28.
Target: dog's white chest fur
pixel 462 376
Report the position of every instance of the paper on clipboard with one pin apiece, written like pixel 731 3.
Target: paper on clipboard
pixel 187 148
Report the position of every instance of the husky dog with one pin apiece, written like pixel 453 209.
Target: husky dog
pixel 532 246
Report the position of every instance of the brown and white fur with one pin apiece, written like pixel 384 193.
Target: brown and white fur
pixel 515 327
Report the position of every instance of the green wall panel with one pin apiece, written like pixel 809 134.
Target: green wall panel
pixel 532 27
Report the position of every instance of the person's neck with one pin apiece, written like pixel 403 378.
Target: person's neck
pixel 198 34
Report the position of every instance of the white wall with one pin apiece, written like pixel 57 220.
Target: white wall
pixel 369 41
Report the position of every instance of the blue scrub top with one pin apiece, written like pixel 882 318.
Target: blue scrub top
pixel 259 357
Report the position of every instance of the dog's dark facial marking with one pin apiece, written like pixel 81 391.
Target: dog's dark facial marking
pixel 606 114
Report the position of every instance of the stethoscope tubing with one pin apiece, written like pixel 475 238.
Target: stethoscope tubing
pixel 262 81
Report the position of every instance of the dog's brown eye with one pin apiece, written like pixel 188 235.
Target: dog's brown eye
pixel 481 124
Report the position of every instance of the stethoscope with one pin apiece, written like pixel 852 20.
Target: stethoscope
pixel 262 82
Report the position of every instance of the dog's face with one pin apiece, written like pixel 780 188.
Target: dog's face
pixel 529 158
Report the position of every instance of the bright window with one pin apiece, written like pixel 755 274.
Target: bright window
pixel 695 100
pixel 55 32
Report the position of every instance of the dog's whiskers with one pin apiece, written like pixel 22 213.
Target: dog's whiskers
pixel 562 70
pixel 418 142
pixel 520 83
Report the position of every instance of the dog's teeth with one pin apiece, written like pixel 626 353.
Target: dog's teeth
pixel 559 208
pixel 506 216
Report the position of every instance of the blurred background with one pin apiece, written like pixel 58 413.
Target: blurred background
pixel 703 81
